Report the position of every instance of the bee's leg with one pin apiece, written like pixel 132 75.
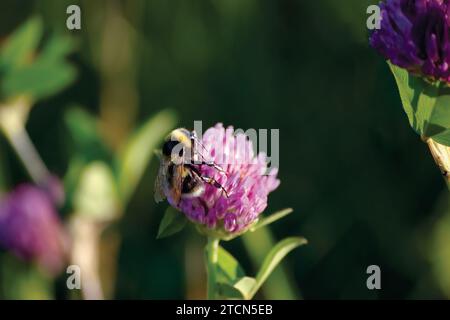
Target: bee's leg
pixel 213 165
pixel 208 180
pixel 214 183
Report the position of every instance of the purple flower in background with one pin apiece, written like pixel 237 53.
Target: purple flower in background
pixel 30 226
pixel 414 35
pixel 245 180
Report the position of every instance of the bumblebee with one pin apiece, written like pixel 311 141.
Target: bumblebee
pixel 179 176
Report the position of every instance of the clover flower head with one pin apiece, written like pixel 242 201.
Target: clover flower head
pixel 246 181
pixel 414 35
pixel 30 227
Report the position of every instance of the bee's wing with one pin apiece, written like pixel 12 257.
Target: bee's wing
pixel 177 183
pixel 160 182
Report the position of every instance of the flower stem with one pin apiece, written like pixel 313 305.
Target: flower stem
pixel 212 249
pixel 12 123
pixel 441 155
pixel 30 158
pixel 85 251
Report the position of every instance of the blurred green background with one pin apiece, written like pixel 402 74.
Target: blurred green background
pixel 363 186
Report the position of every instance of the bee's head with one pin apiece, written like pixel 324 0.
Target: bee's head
pixel 176 143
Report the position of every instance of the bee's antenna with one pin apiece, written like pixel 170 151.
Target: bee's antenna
pixel 197 141
pixel 204 161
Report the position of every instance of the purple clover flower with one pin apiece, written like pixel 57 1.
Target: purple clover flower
pixel 30 227
pixel 414 35
pixel 245 179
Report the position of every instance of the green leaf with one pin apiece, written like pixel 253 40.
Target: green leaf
pixel 31 73
pixel 21 45
pixel 96 195
pixel 20 281
pixel 270 219
pixel 443 138
pixel 58 47
pixel 241 289
pixel 228 291
pixel 426 104
pixel 231 280
pixel 275 256
pixel 38 80
pixel 279 284
pixel 138 151
pixel 72 178
pixel 245 285
pixel 83 128
pixel 228 268
pixel 172 222
pixel 87 147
